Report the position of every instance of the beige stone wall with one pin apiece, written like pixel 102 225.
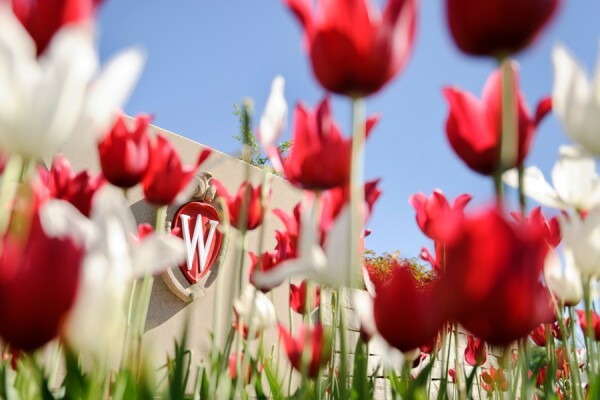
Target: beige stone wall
pixel 168 314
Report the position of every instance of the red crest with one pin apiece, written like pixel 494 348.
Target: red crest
pixel 197 224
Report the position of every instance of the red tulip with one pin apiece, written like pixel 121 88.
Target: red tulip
pixel 233 361
pixel 64 184
pixel 313 341
pixel 538 335
pixel 124 153
pixel 43 18
pixel 247 197
pixel 166 177
pixel 268 260
pixel 320 156
pixel 299 298
pixel 475 353
pixel 416 318
pixel 497 28
pixel 353 49
pixel 550 227
pixel 474 127
pixel 583 324
pixel 334 200
pixel 491 281
pixel 39 280
pixel 436 218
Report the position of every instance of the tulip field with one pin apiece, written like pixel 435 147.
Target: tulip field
pixel 501 303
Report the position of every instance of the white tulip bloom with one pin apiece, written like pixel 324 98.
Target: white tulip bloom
pixel 329 267
pixel 45 101
pixel 255 310
pixel 581 237
pixel 95 326
pixel 273 121
pixel 576 183
pixel 576 100
pixel 564 283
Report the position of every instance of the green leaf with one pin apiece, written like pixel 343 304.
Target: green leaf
pixel 360 387
pixel 274 385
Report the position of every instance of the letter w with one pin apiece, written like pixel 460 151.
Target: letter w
pixel 197 240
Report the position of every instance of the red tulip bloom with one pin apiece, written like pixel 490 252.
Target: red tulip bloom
pixel 474 127
pixel 64 184
pixel 124 153
pixel 491 281
pixel 475 352
pixel 436 218
pixel 299 298
pixel 248 200
pixel 416 318
pixel 320 156
pixel 313 341
pixel 166 177
pixel 497 28
pixel 583 324
pixel 43 18
pixel 233 362
pixel 268 260
pixel 334 200
pixel 538 335
pixel 353 49
pixel 550 227
pixel 39 280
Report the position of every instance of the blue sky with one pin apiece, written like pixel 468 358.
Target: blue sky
pixel 204 56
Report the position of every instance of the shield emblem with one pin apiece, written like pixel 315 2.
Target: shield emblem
pixel 197 224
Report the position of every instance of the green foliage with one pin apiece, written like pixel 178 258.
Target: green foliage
pixel 252 153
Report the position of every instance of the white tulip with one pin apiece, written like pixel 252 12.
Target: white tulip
pixel 581 237
pixel 95 326
pixel 273 121
pixel 576 100
pixel 576 183
pixel 45 101
pixel 329 267
pixel 564 283
pixel 255 310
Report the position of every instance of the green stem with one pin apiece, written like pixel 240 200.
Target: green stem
pixel 574 368
pixel 357 188
pixel 590 336
pixel 343 349
pixel 507 142
pixel 522 199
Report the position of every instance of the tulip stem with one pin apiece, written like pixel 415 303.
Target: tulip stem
pixel 563 332
pixel 575 367
pixel 507 142
pixel 357 187
pixel 522 200
pixel 343 349
pixel 590 336
pixel 509 138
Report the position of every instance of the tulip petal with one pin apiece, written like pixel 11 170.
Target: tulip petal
pixel 575 179
pixel 112 89
pixel 273 120
pixel 536 186
pixel 157 253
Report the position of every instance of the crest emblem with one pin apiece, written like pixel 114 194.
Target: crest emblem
pixel 197 224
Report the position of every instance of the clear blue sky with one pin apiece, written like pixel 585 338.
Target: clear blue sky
pixel 204 56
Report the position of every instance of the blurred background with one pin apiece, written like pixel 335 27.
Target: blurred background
pixel 206 56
